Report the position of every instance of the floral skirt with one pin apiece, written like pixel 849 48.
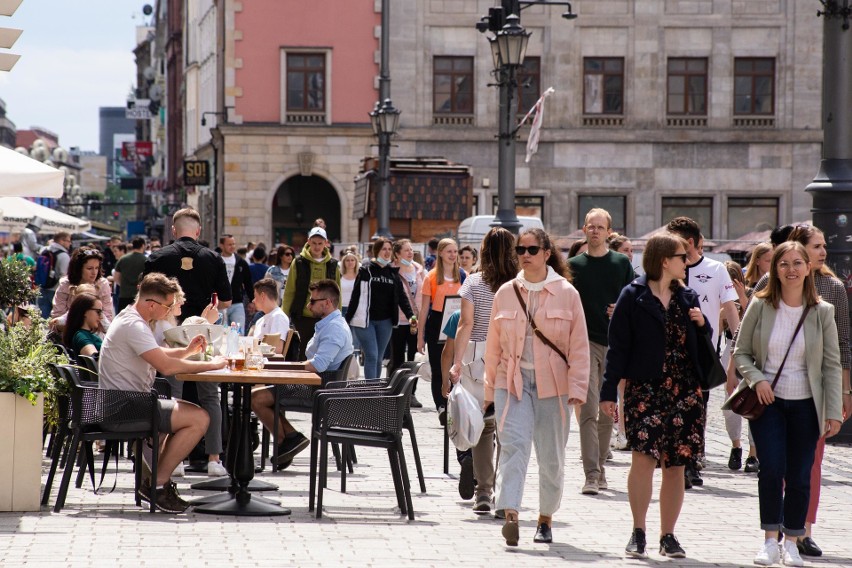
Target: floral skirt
pixel 664 420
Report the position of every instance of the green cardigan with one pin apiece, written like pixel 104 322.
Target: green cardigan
pixel 822 354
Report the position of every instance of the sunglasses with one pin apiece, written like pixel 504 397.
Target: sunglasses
pixel 681 256
pixel 99 311
pixel 167 306
pixel 533 250
pixel 314 300
pixel 288 253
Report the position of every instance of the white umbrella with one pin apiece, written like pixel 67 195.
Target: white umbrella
pixel 17 212
pixel 21 175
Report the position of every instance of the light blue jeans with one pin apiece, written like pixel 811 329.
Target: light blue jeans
pixel 531 421
pixel 374 340
pixel 235 313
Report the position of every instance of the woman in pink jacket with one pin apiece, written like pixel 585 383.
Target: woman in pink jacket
pixel 536 369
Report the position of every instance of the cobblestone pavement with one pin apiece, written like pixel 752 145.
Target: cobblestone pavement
pixel 718 526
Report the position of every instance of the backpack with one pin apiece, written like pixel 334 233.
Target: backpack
pixel 45 270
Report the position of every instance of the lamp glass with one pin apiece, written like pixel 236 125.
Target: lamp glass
pixel 495 52
pixel 512 42
pixel 374 119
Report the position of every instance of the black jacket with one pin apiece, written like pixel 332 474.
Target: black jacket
pixel 241 282
pixel 375 274
pixel 637 339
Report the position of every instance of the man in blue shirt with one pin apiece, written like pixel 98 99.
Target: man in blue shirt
pixel 326 351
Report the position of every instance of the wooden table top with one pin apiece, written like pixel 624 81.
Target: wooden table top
pixel 266 376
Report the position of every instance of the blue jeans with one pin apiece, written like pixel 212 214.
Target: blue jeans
pixel 374 340
pixel 235 313
pixel 786 437
pixel 45 302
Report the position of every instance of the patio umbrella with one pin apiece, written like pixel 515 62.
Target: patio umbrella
pixel 22 176
pixel 17 212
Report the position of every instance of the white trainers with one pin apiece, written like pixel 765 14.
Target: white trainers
pixel 216 469
pixel 770 553
pixel 620 441
pixel 179 471
pixel 790 554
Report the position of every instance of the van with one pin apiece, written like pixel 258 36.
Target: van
pixel 473 229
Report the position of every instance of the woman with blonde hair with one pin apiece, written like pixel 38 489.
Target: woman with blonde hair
pixel 442 281
pixel 788 352
pixel 758 263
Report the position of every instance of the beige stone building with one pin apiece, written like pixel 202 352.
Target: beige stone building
pixel 708 108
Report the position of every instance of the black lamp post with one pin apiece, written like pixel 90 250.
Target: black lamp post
pixel 508 49
pixel 385 122
pixel 831 189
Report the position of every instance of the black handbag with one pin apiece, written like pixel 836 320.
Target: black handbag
pixel 712 373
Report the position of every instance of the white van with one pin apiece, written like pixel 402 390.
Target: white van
pixel 473 229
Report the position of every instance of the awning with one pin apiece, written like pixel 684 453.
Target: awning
pixel 22 176
pixel 105 227
pixel 17 212
pixel 88 237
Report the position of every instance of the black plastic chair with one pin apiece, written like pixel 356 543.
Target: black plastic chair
pixel 90 364
pixel 100 414
pixel 362 417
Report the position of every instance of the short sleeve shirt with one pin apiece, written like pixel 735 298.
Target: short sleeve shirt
pixel 199 270
pixel 130 266
pixel 275 321
pixel 121 365
pixel 476 291
pixel 442 290
pixel 83 338
pixel 712 283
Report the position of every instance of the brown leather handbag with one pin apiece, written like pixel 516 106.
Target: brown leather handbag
pixel 535 329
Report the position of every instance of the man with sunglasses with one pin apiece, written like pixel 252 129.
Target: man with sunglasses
pixel 599 276
pixel 330 345
pixel 129 360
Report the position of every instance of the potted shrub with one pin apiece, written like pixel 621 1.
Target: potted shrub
pixel 27 392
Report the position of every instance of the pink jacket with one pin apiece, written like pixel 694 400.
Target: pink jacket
pixel 62 299
pixel 560 318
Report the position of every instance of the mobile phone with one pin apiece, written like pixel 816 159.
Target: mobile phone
pixel 214 299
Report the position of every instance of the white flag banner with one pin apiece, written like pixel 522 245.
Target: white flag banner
pixel 535 132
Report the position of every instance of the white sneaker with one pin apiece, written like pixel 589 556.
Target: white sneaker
pixel 178 472
pixel 790 554
pixel 620 441
pixel 770 553
pixel 216 469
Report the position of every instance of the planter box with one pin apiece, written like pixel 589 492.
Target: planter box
pixel 20 452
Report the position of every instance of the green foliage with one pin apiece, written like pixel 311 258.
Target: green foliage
pixel 16 288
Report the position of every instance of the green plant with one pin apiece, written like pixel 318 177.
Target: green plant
pixel 16 288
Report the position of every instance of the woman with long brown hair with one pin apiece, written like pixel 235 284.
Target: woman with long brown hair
pixel 280 268
pixel 403 341
pixel 84 268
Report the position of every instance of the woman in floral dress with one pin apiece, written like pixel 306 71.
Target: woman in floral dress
pixel 653 344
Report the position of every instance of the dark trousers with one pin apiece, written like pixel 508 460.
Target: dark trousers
pixel 403 347
pixel 305 327
pixel 786 437
pixel 433 330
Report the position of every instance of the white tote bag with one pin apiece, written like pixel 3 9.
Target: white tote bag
pixel 464 418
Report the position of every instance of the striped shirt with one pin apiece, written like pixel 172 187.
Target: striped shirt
pixel 477 292
pixel 831 290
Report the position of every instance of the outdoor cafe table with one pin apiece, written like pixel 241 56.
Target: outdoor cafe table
pixel 239 460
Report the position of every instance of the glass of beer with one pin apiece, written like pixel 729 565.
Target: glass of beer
pixel 236 361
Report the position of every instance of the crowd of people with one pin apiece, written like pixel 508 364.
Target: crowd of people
pixel 538 338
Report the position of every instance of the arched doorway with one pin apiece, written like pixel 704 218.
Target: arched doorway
pixel 297 203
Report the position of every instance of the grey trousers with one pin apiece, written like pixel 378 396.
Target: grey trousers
pixel 531 421
pixel 208 399
pixel 595 426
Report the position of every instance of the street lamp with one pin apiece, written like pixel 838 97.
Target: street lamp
pixel 508 50
pixel 385 122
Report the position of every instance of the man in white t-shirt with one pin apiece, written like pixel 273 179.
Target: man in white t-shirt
pixel 274 319
pixel 239 276
pixel 129 360
pixel 716 294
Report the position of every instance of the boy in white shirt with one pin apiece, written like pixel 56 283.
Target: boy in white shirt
pixel 274 320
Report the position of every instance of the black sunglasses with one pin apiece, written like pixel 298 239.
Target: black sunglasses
pixel 681 256
pixel 533 250
pixel 100 311
pixel 314 300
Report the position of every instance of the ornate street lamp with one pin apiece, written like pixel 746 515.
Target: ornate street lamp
pixel 385 121
pixel 508 50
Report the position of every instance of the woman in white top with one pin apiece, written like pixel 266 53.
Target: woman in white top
pixel 348 271
pixel 806 402
pixel 403 341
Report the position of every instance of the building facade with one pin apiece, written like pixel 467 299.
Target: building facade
pixel 706 108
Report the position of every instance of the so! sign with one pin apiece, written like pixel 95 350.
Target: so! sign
pixel 196 172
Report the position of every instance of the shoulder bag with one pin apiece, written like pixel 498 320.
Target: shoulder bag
pixel 712 373
pixel 537 331
pixel 743 400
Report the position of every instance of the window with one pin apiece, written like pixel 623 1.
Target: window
pixel 749 214
pixel 603 85
pixel 529 84
pixel 615 205
pixel 306 82
pixel 754 85
pixel 525 205
pixel 474 206
pixel 452 85
pixel 700 209
pixel 687 86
